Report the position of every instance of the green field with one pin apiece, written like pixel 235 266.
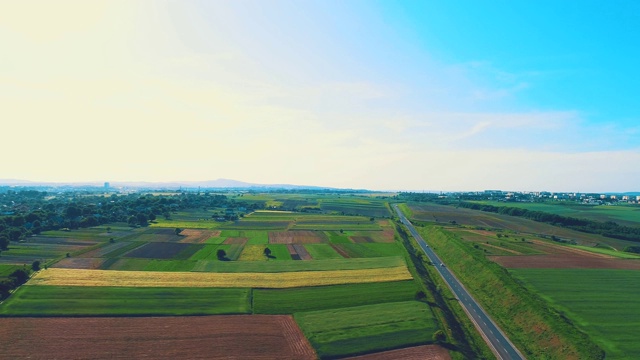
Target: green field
pixel 288 301
pixel 624 214
pixel 124 301
pixel 287 266
pixel 368 328
pixel 603 303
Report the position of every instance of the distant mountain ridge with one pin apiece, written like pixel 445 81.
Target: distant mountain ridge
pixel 208 184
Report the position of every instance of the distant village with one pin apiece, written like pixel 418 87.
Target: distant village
pixel 540 196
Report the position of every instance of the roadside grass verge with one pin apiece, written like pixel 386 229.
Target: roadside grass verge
pixel 524 316
pixel 288 301
pixel 125 301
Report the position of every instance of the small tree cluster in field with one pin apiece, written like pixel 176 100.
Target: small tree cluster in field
pixel 222 255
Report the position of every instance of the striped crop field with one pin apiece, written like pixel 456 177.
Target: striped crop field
pixel 75 277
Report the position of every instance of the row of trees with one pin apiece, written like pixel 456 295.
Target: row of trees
pixel 30 212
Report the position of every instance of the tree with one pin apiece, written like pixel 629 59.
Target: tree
pixel 19 277
pixel 35 266
pixel 142 219
pixel 178 231
pixel 222 255
pixel 4 242
pixel 267 252
pixel 108 229
pixel 420 295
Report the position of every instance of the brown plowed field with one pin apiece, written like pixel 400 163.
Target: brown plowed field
pixel 361 239
pixel 189 337
pixel 296 237
pixel 79 263
pixel 235 240
pixel 340 251
pixel 102 251
pixel 563 257
pixel 302 252
pixel 570 261
pixel 192 236
pixel 424 352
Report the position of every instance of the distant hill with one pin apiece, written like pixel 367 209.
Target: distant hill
pixel 209 184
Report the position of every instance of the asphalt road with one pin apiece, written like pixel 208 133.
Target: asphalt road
pixel 495 338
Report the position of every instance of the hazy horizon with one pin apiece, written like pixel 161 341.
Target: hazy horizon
pixel 374 95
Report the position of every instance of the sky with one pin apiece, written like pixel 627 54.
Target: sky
pixel 383 95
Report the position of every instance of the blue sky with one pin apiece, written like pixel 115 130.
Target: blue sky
pixel 385 95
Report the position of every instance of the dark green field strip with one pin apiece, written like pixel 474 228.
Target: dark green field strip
pixel 188 252
pixel 359 251
pixel 256 225
pixel 207 252
pixel 287 266
pixel 234 251
pixel 385 249
pixel 124 301
pixel 322 251
pixel 169 265
pixel 289 301
pixel 337 238
pixel 123 250
pixel 602 302
pixel 279 252
pixel 368 328
pixel 6 270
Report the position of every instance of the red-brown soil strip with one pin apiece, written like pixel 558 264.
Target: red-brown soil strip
pixel 361 239
pixel 296 237
pixel 424 352
pixel 259 337
pixel 235 240
pixel 193 236
pixel 568 261
pixel 340 251
pixel 79 263
pixel 302 252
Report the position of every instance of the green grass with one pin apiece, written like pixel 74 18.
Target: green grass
pixel 6 270
pixel 321 251
pixel 185 224
pixel 611 252
pixel 624 214
pixel 123 250
pixel 359 251
pixel 337 238
pixel 524 317
pixel 124 301
pixel 602 302
pixel 368 328
pixel 169 265
pixel 187 253
pixel 279 252
pixel 208 252
pixel 288 301
pixel 287 266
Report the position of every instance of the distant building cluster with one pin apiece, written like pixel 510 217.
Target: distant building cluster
pixel 534 196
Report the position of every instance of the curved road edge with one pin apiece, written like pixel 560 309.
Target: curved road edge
pixel 498 342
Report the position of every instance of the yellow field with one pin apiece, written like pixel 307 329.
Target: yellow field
pixel 76 277
pixel 253 253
